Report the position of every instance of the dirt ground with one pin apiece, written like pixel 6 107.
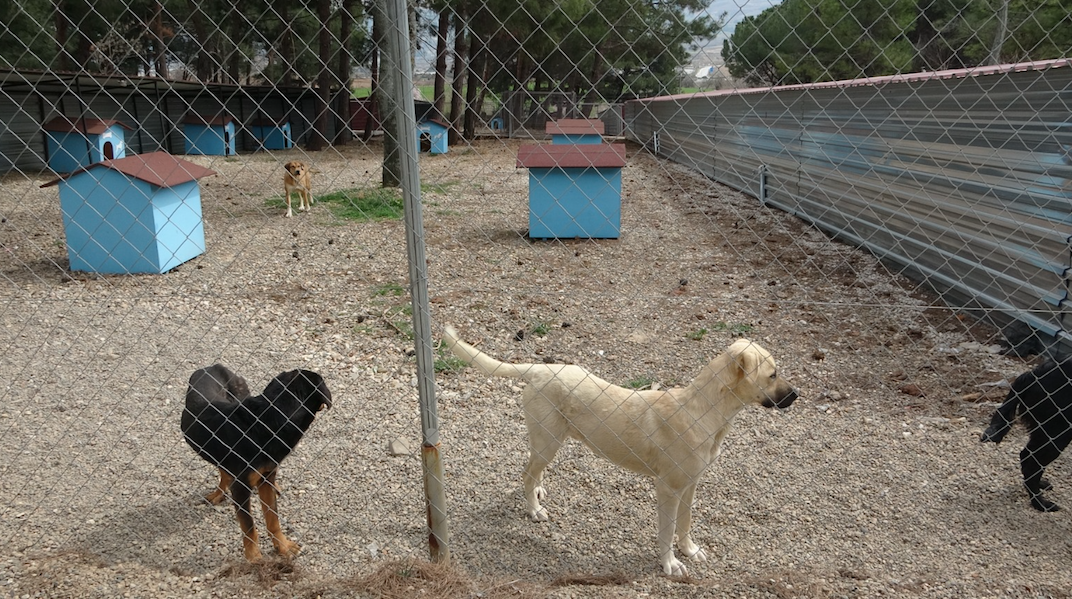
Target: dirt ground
pixel 872 484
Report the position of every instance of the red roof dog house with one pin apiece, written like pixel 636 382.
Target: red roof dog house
pixel 209 135
pixel 73 143
pixel 140 214
pixel 576 131
pixel 432 136
pixel 575 190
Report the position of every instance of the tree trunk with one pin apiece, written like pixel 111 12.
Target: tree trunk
pixel 319 139
pixel 63 29
pixel 286 43
pixel 442 32
pixel 203 64
pixel 461 69
pixel 389 73
pixel 472 86
pixel 346 26
pixel 160 59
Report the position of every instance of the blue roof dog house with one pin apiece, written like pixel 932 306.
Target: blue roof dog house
pixel 432 136
pixel 140 214
pixel 272 135
pixel 575 131
pixel 209 135
pixel 575 190
pixel 73 143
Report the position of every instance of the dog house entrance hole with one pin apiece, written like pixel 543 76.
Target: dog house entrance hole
pixel 109 151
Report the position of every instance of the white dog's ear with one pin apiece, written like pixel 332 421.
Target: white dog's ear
pixel 745 358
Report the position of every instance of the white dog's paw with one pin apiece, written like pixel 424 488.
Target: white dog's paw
pixel 539 515
pixel 541 493
pixel 673 567
pixel 695 552
pixel 289 214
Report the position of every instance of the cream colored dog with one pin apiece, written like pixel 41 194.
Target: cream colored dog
pixel 671 435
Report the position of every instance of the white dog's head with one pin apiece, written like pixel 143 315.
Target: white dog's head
pixel 755 376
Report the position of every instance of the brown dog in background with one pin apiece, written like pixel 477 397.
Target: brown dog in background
pixel 296 179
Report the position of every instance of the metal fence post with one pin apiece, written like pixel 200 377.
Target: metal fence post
pixel 397 52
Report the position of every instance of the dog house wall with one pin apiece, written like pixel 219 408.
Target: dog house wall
pixel 575 191
pixel 117 222
pixel 435 133
pixel 210 136
pixel 272 135
pixel 575 131
pixel 75 143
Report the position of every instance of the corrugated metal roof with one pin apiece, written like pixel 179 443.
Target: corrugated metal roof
pixel 157 168
pixel 83 125
pixel 571 156
pixel 1038 65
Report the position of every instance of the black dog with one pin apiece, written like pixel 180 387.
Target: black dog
pixel 1043 399
pixel 247 438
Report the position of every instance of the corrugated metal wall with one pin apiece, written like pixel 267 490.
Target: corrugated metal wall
pixel 963 180
pixel 153 109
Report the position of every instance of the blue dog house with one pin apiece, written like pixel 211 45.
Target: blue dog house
pixel 140 214
pixel 575 190
pixel 209 135
pixel 73 143
pixel 575 131
pixel 272 135
pixel 432 134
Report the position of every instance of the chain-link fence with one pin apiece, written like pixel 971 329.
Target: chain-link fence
pixel 877 193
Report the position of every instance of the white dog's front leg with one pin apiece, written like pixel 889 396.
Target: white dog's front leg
pixel 684 527
pixel 668 509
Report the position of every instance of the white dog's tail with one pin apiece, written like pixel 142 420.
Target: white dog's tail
pixel 489 365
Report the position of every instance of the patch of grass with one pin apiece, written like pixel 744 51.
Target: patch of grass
pixel 541 329
pixel 641 382
pixel 446 361
pixel 736 329
pixel 697 335
pixel 365 204
pixel 389 289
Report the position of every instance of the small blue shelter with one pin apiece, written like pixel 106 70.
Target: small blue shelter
pixel 73 142
pixel 575 131
pixel 272 134
pixel 575 190
pixel 209 135
pixel 140 214
pixel 432 136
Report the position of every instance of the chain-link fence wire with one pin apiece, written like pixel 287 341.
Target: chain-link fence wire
pixel 640 269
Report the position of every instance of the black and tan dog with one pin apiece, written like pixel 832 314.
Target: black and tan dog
pixel 1043 400
pixel 248 437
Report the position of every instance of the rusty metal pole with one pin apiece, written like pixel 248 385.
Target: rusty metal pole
pixel 397 53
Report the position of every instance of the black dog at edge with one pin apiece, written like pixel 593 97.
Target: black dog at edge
pixel 248 437
pixel 1043 399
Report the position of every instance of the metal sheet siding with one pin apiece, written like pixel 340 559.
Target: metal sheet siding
pixel 966 183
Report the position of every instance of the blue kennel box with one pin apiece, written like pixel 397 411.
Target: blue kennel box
pixel 73 143
pixel 575 190
pixel 272 135
pixel 209 135
pixel 140 214
pixel 575 131
pixel 432 134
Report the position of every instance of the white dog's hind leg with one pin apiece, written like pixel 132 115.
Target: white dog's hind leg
pixel 668 501
pixel 684 526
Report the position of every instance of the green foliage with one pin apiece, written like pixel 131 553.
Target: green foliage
pixel 806 41
pixel 697 335
pixel 445 361
pixel 736 329
pixel 642 382
pixel 541 329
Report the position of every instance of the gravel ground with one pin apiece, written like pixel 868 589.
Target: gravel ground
pixel 873 484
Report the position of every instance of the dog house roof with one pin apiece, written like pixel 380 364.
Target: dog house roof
pixel 575 127
pixel 269 122
pixel 82 125
pixel 157 168
pixel 571 156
